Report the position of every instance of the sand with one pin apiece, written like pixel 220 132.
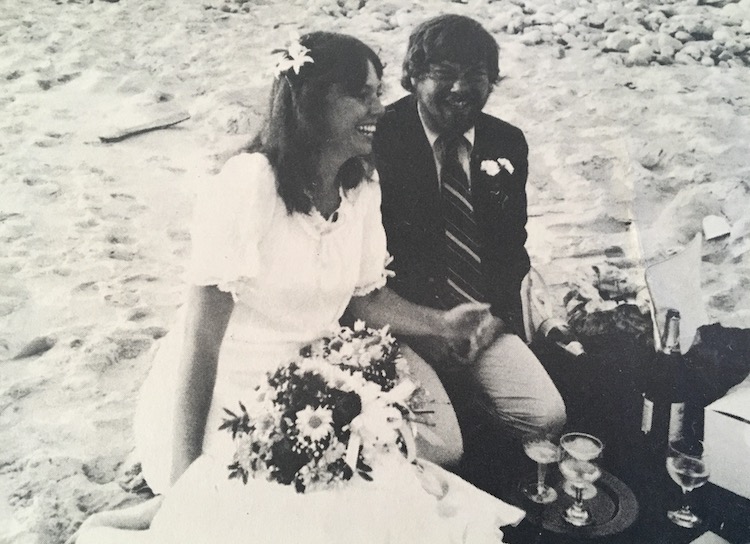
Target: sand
pixel 636 116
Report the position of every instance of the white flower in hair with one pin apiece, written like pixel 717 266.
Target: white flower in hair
pixel 293 57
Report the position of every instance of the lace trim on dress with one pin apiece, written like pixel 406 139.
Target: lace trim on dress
pixel 379 283
pixel 231 286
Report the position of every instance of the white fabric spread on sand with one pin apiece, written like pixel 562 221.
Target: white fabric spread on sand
pixel 207 508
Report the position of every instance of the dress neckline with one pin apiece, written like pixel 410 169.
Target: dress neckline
pixel 322 225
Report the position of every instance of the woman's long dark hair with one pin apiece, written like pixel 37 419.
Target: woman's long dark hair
pixel 293 133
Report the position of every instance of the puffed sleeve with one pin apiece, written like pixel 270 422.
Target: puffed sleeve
pixel 375 258
pixel 232 213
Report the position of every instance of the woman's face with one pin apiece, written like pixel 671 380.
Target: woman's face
pixel 350 120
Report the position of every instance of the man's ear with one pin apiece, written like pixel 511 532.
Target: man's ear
pixel 413 81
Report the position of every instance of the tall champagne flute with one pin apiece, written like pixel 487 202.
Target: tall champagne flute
pixel 579 453
pixel 687 465
pixel 542 449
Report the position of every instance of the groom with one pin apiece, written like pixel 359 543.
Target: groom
pixel 454 208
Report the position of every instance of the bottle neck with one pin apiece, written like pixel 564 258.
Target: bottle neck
pixel 671 342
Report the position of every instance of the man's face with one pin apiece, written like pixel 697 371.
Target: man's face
pixel 452 95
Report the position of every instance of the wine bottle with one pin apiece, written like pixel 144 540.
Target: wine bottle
pixel 558 332
pixel 664 392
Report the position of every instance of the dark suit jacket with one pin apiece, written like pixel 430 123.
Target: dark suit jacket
pixel 412 208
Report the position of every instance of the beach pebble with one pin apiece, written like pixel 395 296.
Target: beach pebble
pixel 668 43
pixel 597 20
pixel 620 42
pixel 640 55
pixel 37 346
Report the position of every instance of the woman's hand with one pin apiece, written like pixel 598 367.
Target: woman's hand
pixel 469 329
pixel 456 337
pixel 133 518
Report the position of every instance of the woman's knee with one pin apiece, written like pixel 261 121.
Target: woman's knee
pixel 553 416
pixel 441 441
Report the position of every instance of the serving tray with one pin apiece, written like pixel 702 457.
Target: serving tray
pixel 614 508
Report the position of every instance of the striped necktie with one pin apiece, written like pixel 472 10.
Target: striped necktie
pixel 464 280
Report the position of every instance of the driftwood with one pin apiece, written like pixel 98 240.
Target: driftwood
pixel 164 122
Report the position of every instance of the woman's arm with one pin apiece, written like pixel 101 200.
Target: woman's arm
pixel 208 313
pixel 463 330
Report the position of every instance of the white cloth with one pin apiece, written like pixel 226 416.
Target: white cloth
pixel 291 275
pixel 205 507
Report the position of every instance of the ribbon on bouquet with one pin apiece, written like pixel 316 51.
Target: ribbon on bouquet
pixel 379 419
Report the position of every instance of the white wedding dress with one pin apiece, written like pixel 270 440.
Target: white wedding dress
pixel 291 277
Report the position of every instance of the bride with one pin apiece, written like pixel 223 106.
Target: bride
pixel 283 238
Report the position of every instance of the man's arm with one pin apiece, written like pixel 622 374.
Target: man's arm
pixel 463 329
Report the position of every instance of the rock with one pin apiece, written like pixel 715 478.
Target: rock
pixel 615 22
pixel 501 21
pixel 694 49
pixel 665 41
pixel 648 156
pixel 542 19
pixel 637 5
pixel 701 30
pixel 568 39
pixel 683 36
pixel 725 55
pixel 548 8
pixel 723 35
pixel 639 55
pixel 736 14
pixel 715 3
pixel 517 25
pixel 560 29
pixel 735 47
pixel 683 58
pixel 532 37
pixel 654 20
pixel 596 20
pixel 619 41
pixel 574 17
pixel 715 50
pixel 37 346
pixel 665 58
pixel 708 61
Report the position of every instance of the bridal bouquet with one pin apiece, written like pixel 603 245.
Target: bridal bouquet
pixel 320 419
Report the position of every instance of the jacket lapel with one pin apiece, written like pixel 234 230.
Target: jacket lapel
pixel 420 163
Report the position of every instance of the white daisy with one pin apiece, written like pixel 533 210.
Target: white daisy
pixel 314 423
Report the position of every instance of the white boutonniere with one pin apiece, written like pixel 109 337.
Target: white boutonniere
pixel 493 167
pixel 292 58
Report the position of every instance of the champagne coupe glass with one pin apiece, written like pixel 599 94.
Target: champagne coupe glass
pixel 580 452
pixel 687 465
pixel 542 449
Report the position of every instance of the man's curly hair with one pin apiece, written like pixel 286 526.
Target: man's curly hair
pixel 451 38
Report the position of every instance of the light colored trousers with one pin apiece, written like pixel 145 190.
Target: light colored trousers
pixel 507 382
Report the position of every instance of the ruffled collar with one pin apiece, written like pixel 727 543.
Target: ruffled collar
pixel 317 225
